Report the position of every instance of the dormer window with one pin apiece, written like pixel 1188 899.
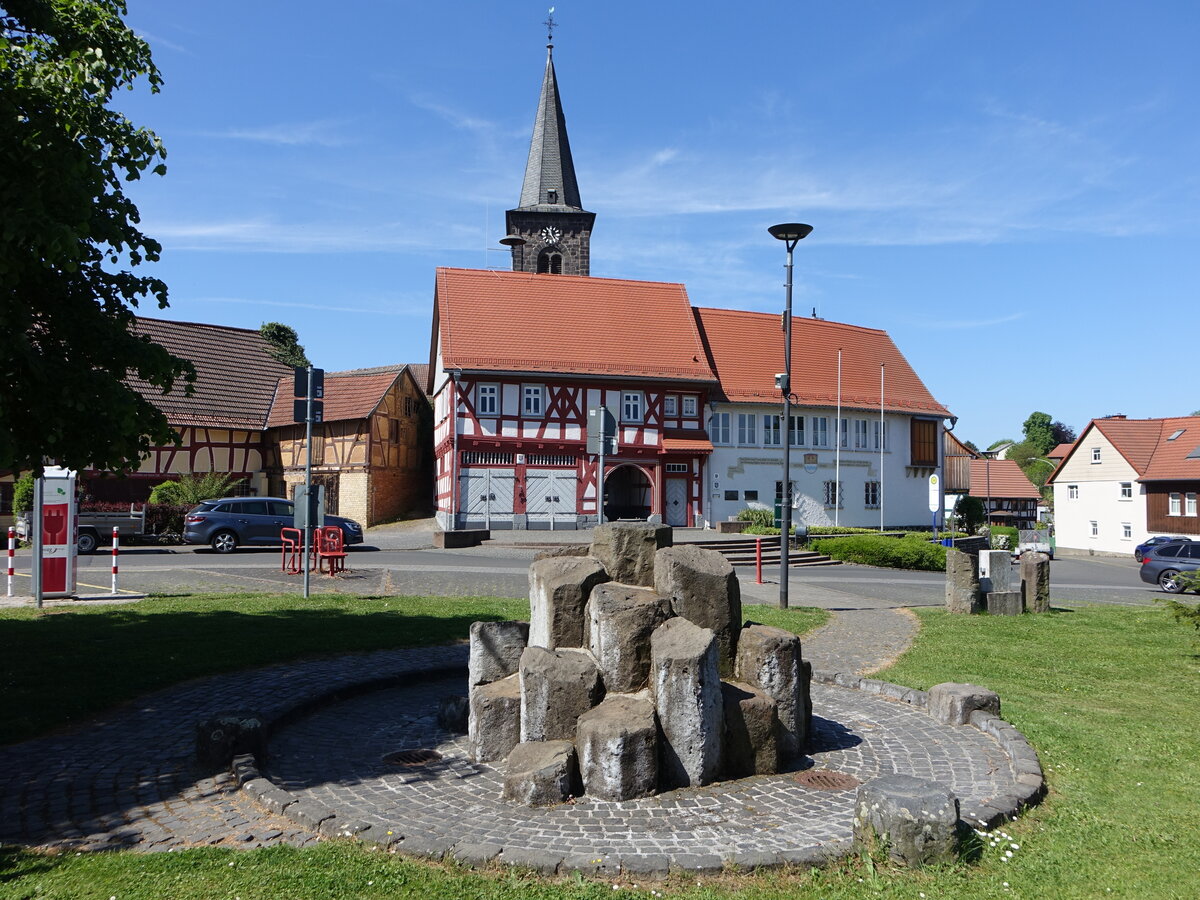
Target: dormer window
pixel 552 196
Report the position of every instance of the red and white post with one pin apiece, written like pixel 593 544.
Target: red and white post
pixel 115 549
pixel 12 546
pixel 758 560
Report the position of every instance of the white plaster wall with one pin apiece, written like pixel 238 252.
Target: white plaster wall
pixel 757 468
pixel 1099 500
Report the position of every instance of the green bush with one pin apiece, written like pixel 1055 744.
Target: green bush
pixel 886 552
pixel 23 495
pixel 192 489
pixel 763 518
pixel 833 529
pixel 1005 531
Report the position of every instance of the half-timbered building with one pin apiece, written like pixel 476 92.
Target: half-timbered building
pixel 369 452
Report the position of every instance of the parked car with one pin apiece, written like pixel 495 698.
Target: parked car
pixel 1163 563
pixel 232 522
pixel 95 528
pixel 1140 550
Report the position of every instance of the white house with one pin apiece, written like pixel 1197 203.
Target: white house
pixel 1127 479
pixel 865 432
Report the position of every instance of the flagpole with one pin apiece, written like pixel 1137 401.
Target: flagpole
pixel 882 442
pixel 837 456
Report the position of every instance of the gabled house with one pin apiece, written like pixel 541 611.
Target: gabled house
pixel 1125 480
pixel 518 359
pixel 1009 497
pixel 865 432
pixel 369 451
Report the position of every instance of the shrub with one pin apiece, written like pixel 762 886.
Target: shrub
pixel 166 518
pixel 763 518
pixel 1004 537
pixel 886 552
pixel 22 501
pixel 833 529
pixel 192 489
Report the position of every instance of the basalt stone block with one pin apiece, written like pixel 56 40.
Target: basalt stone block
pixel 952 703
pixel 687 696
pixel 1005 603
pixel 557 687
pixel 996 571
pixel 962 582
pixel 1035 581
pixel 541 773
pixel 496 649
pixel 751 732
pixel 915 819
pixel 559 588
pixel 494 725
pixel 453 714
pixel 704 590
pixel 618 748
pixel 770 660
pixel 626 550
pixel 621 619
pixel 221 737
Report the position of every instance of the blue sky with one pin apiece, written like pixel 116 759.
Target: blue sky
pixel 1010 190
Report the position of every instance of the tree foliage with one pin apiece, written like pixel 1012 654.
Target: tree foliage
pixel 69 237
pixel 192 489
pixel 970 512
pixel 1039 432
pixel 1063 434
pixel 285 344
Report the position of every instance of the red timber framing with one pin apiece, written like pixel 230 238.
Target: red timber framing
pixel 523 430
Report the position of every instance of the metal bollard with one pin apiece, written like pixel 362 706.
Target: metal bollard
pixel 116 546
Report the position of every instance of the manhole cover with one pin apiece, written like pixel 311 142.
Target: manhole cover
pixel 825 780
pixel 412 757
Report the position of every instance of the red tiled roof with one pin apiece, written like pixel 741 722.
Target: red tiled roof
pixel 346 397
pixel 686 440
pixel 519 322
pixel 1060 452
pixel 1001 478
pixel 235 374
pixel 1146 445
pixel 747 351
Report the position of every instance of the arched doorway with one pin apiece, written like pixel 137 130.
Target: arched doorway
pixel 627 494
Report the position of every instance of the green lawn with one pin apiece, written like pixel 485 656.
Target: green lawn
pixel 1108 696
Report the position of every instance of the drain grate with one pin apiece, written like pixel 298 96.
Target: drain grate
pixel 412 757
pixel 826 780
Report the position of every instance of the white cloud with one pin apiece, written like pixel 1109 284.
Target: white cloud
pixel 322 133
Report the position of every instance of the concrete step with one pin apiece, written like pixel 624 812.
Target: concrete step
pixel 743 552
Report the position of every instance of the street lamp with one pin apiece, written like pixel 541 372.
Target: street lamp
pixel 791 234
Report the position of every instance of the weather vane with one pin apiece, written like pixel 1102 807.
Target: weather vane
pixel 549 23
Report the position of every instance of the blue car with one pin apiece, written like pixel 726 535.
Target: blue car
pixel 1140 550
pixel 231 522
pixel 1164 564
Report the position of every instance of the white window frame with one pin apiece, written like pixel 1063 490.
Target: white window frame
pixel 688 405
pixel 796 431
pixel 871 489
pixel 1126 490
pixel 1072 492
pixel 885 432
pixel 484 392
pixel 827 489
pixel 632 406
pixel 845 432
pixel 772 432
pixel 670 405
pixel 720 428
pixel 537 393
pixel 860 434
pixel 1095 528
pixel 1126 531
pixel 820 431
pixel 1175 504
pixel 1095 455
pixel 1189 503
pixel 747 433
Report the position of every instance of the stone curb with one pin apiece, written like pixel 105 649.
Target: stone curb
pixel 1026 768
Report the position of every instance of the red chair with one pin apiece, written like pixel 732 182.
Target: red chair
pixel 329 547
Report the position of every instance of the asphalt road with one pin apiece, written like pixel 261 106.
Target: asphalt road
pixel 500 569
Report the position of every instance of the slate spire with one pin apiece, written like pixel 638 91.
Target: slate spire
pixel 550 171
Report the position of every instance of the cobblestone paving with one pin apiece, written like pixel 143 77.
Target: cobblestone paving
pixel 128 780
pixel 336 758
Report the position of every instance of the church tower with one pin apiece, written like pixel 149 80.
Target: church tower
pixel 553 228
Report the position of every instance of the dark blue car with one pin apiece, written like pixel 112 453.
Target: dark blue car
pixel 1140 550
pixel 1164 564
pixel 231 522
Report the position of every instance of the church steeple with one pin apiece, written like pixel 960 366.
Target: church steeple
pixel 550 216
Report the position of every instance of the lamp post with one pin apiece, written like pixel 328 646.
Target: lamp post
pixel 791 234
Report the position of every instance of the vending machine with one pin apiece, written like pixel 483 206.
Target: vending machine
pixel 58 532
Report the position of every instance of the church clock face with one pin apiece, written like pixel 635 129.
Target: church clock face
pixel 550 234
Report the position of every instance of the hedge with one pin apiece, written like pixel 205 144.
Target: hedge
pixel 908 552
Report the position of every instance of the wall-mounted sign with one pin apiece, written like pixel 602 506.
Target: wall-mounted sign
pixel 810 463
